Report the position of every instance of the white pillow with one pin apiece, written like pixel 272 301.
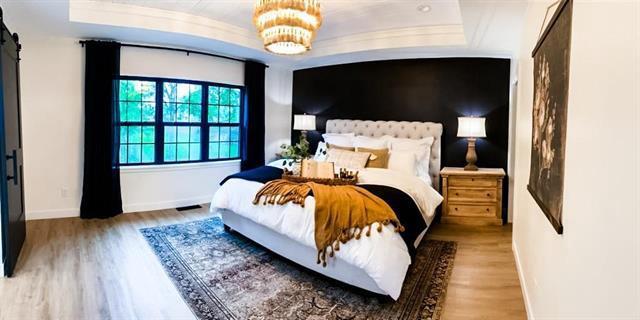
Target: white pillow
pixel 321 152
pixel 347 159
pixel 339 139
pixel 421 148
pixel 403 161
pixel 370 143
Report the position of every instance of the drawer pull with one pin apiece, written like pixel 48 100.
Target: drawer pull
pixel 457 194
pixel 487 209
pixel 488 194
pixel 456 208
pixel 472 179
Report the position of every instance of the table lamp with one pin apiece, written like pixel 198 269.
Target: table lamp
pixel 304 123
pixel 471 128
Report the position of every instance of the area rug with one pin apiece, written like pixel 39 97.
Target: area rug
pixel 223 275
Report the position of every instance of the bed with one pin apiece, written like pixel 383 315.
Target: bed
pixel 377 263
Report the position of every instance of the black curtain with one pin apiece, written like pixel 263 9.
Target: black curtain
pixel 101 196
pixel 253 116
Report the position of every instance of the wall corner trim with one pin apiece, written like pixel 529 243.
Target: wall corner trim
pixel 523 282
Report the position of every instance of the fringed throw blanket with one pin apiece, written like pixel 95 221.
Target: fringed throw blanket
pixel 341 213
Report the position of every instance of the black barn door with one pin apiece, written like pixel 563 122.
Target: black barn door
pixel 11 178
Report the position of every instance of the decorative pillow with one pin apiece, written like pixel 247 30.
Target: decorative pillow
pixel 340 139
pixel 370 143
pixel 333 146
pixel 379 157
pixel 403 161
pixel 347 159
pixel 421 148
pixel 321 152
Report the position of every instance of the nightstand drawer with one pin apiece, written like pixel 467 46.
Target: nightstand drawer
pixel 464 210
pixel 472 182
pixel 470 195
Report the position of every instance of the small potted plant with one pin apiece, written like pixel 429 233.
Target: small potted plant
pixel 294 154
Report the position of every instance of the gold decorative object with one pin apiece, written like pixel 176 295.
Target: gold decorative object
pixel 287 26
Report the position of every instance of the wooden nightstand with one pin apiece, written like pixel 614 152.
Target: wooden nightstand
pixel 472 197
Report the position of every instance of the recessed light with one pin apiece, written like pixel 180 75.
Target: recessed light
pixel 424 8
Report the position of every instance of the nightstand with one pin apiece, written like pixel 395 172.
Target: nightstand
pixel 472 197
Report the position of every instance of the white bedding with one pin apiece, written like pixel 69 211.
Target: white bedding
pixel 383 256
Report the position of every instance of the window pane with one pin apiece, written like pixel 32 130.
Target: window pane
pixel 134 111
pixel 148 153
pixel 148 91
pixel 148 134
pixel 234 116
pixel 224 150
pixel 169 112
pixel 169 152
pixel 169 93
pixel 224 114
pixel 169 134
pixel 123 135
pixel 196 93
pixel 123 89
pixel 134 153
pixel 135 134
pixel 148 112
pixel 183 112
pixel 235 151
pixel 234 134
pixel 123 153
pixel 235 97
pixel 214 95
pixel 224 134
pixel 214 134
pixel 194 151
pixel 213 114
pixel 195 113
pixel 195 134
pixel 183 134
pixel 224 96
pixel 123 111
pixel 183 92
pixel 136 93
pixel 183 151
pixel 214 150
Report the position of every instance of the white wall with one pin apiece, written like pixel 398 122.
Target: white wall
pixel 52 71
pixel 593 269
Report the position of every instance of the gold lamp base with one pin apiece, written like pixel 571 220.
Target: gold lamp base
pixel 471 157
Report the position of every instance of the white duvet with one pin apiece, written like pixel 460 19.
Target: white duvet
pixel 383 256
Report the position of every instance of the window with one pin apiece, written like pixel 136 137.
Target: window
pixel 176 121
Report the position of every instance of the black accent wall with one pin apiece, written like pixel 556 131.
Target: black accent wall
pixel 437 90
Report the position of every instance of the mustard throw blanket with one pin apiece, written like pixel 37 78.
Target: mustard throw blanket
pixel 341 214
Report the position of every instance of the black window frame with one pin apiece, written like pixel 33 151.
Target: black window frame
pixel 160 125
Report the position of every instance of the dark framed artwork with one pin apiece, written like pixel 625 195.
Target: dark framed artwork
pixel 550 97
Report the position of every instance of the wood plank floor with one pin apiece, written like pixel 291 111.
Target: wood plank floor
pixel 104 269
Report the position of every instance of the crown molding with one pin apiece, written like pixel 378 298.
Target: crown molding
pixel 426 36
pixel 131 16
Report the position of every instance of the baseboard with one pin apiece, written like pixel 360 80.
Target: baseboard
pixel 139 207
pixel 523 282
pixel 52 214
pixel 136 207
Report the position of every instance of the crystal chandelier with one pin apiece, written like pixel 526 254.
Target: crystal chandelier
pixel 287 26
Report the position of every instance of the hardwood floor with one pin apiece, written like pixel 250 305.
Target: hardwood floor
pixel 104 269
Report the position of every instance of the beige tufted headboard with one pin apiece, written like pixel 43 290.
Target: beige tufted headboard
pixel 398 129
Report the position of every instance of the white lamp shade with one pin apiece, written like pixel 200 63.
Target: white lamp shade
pixel 471 127
pixel 304 122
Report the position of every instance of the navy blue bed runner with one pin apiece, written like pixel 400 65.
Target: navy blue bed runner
pixel 402 204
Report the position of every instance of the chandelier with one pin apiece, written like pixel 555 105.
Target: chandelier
pixel 287 26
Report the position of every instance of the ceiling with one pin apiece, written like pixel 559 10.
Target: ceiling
pixel 352 30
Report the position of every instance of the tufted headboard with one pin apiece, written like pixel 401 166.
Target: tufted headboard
pixel 398 129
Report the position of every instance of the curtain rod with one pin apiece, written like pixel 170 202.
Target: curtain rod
pixel 188 52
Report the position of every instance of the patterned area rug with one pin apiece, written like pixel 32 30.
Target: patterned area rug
pixel 224 275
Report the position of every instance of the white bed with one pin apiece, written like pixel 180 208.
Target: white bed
pixel 377 263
